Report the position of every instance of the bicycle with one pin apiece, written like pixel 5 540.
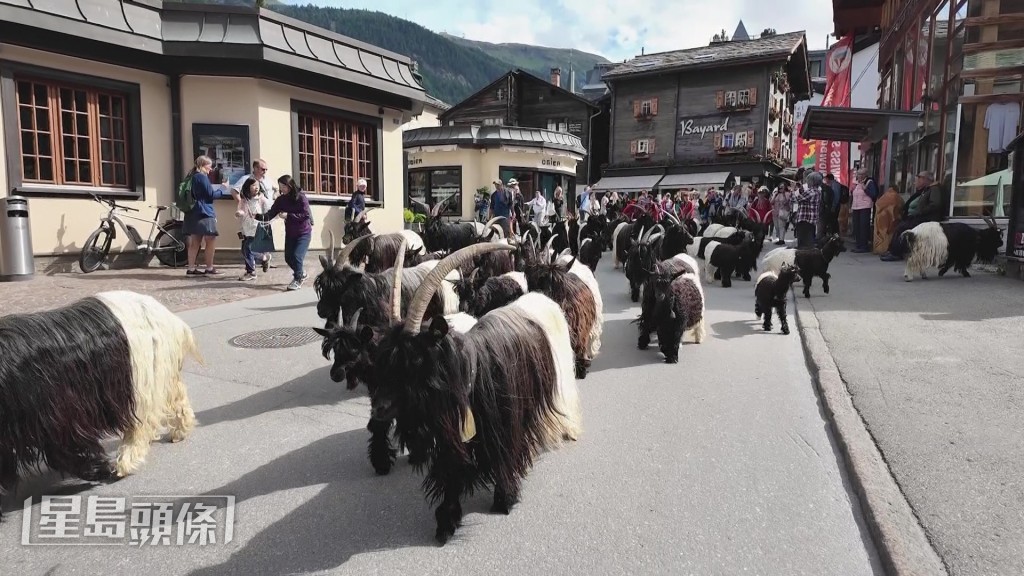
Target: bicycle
pixel 168 246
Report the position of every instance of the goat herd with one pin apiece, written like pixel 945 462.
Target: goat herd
pixel 470 344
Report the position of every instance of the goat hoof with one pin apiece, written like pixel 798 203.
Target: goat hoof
pixel 907 278
pixel 825 288
pixel 443 535
pixel 767 327
pixel 966 274
pixel 581 370
pixel 785 330
pixel 671 358
pixel 382 462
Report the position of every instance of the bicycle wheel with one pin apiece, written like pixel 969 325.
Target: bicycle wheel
pixel 95 250
pixel 170 247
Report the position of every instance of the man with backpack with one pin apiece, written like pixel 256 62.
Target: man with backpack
pixel 501 205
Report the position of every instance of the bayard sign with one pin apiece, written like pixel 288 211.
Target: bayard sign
pixel 688 128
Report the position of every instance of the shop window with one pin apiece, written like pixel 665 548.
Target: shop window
pixel 430 187
pixel 72 133
pixel 982 176
pixel 334 151
pixel 527 180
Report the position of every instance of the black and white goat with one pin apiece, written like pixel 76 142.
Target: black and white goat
pixel 810 262
pixel 481 405
pixel 673 304
pixel 590 252
pixel 378 253
pixel 452 236
pixel 722 259
pixel 109 364
pixel 949 245
pixel 772 293
pixel 342 288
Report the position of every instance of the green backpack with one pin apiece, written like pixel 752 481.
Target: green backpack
pixel 185 200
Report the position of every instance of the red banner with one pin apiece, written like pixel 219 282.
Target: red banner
pixel 834 157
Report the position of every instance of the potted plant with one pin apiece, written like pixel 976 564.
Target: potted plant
pixel 414 221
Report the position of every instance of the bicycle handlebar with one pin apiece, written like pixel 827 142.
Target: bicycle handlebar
pixel 113 204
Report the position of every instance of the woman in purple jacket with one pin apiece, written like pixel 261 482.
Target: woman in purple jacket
pixel 298 226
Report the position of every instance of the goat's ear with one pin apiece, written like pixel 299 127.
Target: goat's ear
pixel 366 334
pixel 323 262
pixel 570 263
pixel 323 332
pixel 677 275
pixel 438 327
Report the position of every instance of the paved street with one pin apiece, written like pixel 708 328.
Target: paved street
pixel 721 464
pixel 934 369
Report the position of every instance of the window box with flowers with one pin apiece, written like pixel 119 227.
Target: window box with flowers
pixel 645 108
pixel 728 143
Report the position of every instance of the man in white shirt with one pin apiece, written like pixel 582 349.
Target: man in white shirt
pixel 259 172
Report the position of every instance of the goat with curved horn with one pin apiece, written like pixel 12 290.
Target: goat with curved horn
pixel 427 288
pixel 672 217
pixel 396 295
pixel 346 252
pixel 327 259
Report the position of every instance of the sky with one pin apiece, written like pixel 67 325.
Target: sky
pixel 616 30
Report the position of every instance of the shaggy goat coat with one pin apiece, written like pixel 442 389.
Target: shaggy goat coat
pixel 496 292
pixel 590 253
pixel 809 262
pixel 380 251
pixel 584 273
pixel 673 304
pixel 435 382
pixel 578 302
pixel 109 364
pixel 772 293
pixel 949 245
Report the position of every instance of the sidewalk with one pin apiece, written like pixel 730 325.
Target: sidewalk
pixel 934 368
pixel 170 286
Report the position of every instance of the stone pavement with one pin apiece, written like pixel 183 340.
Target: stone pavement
pixel 935 369
pixel 60 284
pixel 721 464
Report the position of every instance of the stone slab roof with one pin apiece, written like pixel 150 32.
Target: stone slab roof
pixel 484 136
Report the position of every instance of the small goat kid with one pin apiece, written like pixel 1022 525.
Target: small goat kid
pixel 772 292
pixel 810 262
pixel 480 411
pixel 109 364
pixel 949 245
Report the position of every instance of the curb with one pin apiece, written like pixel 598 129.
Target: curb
pixel 899 538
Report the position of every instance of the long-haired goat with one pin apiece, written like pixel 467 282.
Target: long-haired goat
pixel 810 262
pixel 343 288
pixel 949 245
pixel 772 292
pixel 722 260
pixel 451 236
pixel 578 299
pixel 481 404
pixel 109 364
pixel 590 253
pixel 673 304
pixel 495 292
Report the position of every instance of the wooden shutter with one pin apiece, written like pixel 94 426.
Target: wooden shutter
pixel 719 98
pixel 636 108
pixel 654 108
pixel 718 141
pixel 632 147
pixel 650 146
pixel 750 138
pixel 753 97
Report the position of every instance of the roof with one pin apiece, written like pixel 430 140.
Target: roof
pixel 189 31
pixel 778 47
pixel 484 136
pixel 740 33
pixel 516 72
pixel 439 104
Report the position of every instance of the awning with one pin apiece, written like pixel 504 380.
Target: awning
pixel 627 183
pixel 855 124
pixel 702 180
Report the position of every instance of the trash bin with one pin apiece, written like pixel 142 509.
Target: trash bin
pixel 16 260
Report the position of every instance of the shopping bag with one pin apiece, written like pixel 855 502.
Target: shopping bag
pixel 263 240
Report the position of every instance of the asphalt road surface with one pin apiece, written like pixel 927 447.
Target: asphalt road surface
pixel 721 464
pixel 933 367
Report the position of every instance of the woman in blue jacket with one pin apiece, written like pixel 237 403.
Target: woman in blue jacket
pixel 201 221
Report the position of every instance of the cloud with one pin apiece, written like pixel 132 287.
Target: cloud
pixel 614 29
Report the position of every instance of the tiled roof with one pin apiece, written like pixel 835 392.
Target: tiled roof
pixel 780 45
pixel 473 135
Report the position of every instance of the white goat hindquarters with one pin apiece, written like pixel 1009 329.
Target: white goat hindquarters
pixel 520 279
pixel 413 241
pixel 773 261
pixel 689 260
pixel 615 244
pixel 460 322
pixel 711 230
pixel 159 341
pixel 929 250
pixel 709 270
pixel 548 314
pixel 581 271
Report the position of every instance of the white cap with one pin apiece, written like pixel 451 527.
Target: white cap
pixel 361 182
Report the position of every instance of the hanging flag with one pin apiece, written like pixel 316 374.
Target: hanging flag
pixel 834 157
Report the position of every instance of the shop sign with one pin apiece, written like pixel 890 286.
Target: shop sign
pixel 575 127
pixel 689 128
pixel 551 162
pixel 415 161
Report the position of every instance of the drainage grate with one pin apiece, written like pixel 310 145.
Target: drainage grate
pixel 276 338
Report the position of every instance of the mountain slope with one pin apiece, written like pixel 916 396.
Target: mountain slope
pixel 538 60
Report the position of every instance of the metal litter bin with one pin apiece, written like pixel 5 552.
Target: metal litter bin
pixel 16 260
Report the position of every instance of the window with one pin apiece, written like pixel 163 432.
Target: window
pixel 743 98
pixel 730 98
pixel 645 108
pixel 429 187
pixel 493 122
pixel 728 140
pixel 334 152
pixel 72 133
pixel 558 125
pixel 983 178
pixel 641 146
pixel 741 139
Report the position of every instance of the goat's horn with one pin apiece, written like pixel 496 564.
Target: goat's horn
pixel 550 242
pixel 564 252
pixel 330 249
pixel 642 235
pixel 673 218
pixel 396 296
pixel 430 284
pixel 653 237
pixel 354 321
pixel 497 229
pixel 436 209
pixel 493 221
pixel 645 237
pixel 343 256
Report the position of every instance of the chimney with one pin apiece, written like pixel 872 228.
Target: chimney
pixel 556 76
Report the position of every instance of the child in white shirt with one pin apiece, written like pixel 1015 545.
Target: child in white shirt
pixel 251 202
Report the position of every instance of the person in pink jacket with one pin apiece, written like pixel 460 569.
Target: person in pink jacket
pixel 862 197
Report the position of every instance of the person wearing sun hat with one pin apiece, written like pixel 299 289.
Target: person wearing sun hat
pixel 501 205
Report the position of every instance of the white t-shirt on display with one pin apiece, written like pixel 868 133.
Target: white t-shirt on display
pixel 1001 121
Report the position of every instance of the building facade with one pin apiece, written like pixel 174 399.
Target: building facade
pixel 955 68
pixel 118 103
pixel 520 99
pixel 705 117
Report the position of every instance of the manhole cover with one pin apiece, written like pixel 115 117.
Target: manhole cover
pixel 276 338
